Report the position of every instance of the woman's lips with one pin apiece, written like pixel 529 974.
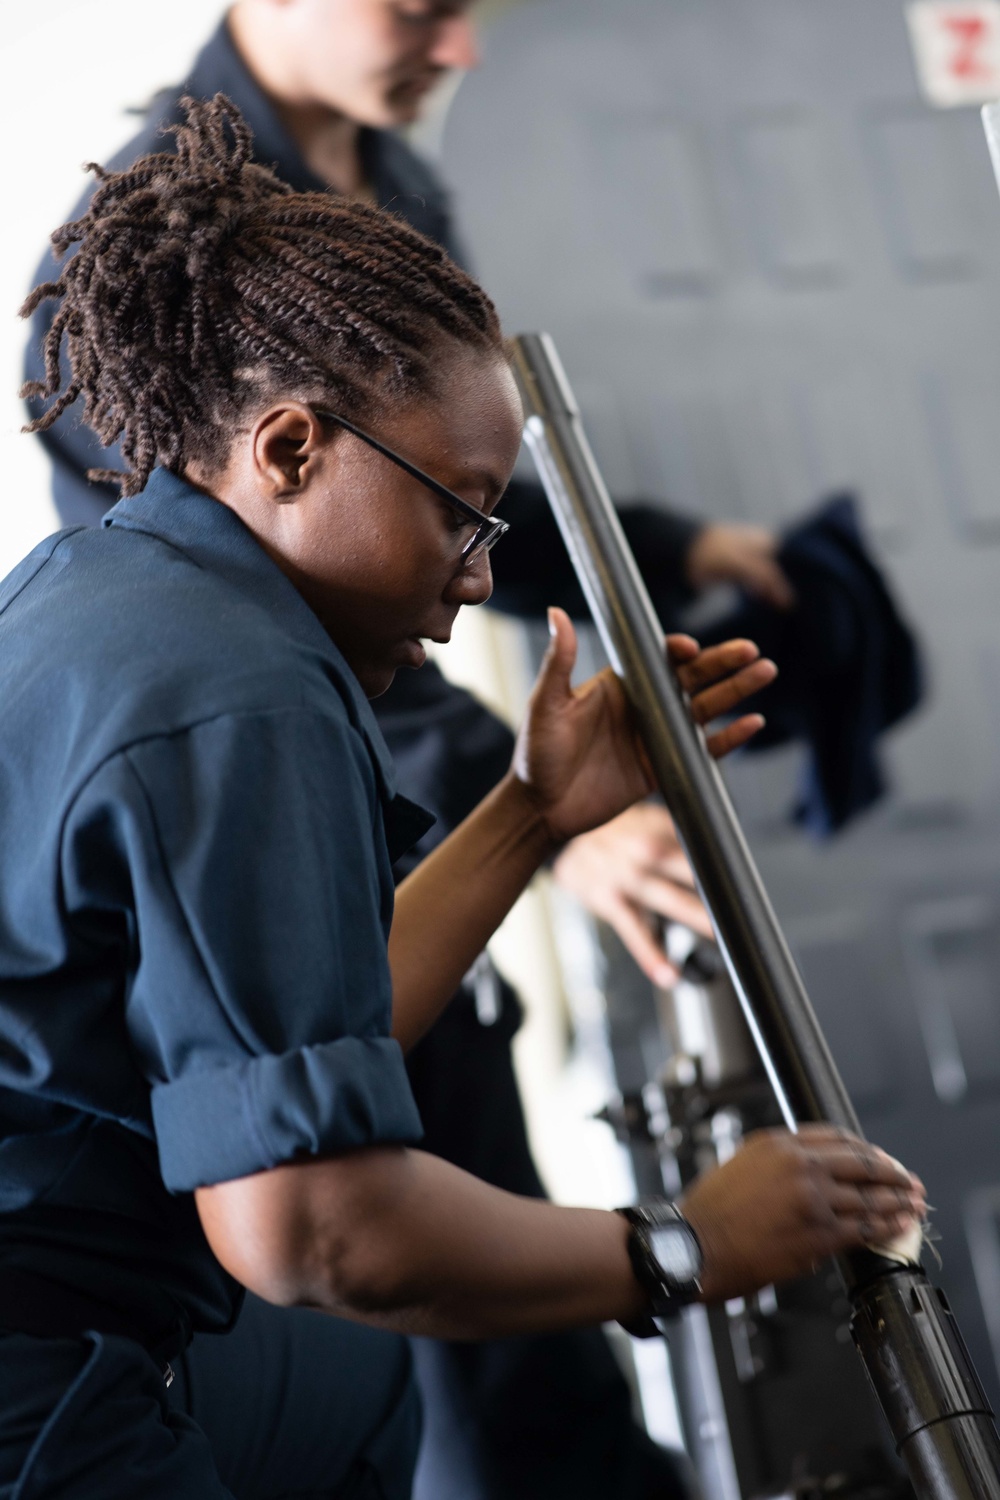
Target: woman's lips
pixel 413 652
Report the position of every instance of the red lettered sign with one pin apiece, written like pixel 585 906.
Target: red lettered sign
pixel 956 46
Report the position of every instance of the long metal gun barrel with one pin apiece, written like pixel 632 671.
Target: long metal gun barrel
pixel 916 1361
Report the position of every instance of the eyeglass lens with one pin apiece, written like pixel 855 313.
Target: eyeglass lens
pixel 484 539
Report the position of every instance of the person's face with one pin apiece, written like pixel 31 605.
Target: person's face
pixel 375 553
pixel 376 60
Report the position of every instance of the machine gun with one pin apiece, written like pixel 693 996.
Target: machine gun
pixel 916 1362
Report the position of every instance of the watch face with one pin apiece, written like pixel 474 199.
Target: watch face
pixel 675 1251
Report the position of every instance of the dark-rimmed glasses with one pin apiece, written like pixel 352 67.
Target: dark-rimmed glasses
pixel 488 530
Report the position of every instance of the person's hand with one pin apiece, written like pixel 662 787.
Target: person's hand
pixel 578 754
pixel 632 866
pixel 785 1202
pixel 744 555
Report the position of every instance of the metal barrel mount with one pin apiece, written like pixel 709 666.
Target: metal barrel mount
pixel 916 1361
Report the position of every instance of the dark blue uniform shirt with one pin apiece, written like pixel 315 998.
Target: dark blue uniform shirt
pixel 198 817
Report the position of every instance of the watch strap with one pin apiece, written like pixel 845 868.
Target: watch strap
pixel 666 1296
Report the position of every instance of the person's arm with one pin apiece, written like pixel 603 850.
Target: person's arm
pixel 677 555
pixel 578 763
pixel 405 1240
pixel 533 570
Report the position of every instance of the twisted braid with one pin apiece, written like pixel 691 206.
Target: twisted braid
pixel 201 282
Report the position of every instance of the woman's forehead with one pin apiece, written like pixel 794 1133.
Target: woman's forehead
pixel 474 414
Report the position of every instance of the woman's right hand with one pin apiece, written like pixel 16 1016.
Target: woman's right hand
pixel 785 1202
pixel 579 759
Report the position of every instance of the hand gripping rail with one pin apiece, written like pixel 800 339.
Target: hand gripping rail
pixel 913 1352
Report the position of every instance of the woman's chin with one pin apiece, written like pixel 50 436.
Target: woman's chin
pixel 411 653
pixel 376 678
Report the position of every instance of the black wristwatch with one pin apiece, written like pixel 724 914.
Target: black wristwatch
pixel 666 1258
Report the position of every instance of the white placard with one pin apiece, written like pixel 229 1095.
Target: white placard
pixel 957 50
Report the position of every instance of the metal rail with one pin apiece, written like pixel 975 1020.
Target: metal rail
pixel 916 1361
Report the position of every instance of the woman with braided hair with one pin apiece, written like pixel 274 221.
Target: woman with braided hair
pixel 202 1008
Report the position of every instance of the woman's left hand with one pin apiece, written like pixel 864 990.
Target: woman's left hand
pixel 578 753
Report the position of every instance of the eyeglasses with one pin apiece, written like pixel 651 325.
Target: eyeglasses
pixel 488 530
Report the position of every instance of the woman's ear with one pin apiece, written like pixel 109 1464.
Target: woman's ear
pixel 286 443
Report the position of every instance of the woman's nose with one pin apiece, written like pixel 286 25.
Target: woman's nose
pixel 473 582
pixel 455 45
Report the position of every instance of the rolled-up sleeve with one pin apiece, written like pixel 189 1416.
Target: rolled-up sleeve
pixel 262 1111
pixel 258 999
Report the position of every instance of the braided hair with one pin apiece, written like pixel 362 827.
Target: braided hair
pixel 201 282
